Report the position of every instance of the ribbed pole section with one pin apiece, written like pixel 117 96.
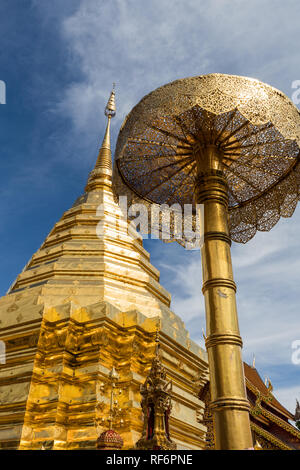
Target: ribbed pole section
pixel 229 403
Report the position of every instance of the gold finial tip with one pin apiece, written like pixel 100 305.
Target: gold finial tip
pixel 110 109
pixel 257 446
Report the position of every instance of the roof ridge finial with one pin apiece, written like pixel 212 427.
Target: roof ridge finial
pixel 297 412
pixel 101 175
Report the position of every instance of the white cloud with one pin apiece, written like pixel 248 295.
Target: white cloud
pixel 141 45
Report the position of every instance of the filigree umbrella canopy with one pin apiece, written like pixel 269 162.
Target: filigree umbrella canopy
pixel 256 128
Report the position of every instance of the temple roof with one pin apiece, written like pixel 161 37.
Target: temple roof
pixel 253 378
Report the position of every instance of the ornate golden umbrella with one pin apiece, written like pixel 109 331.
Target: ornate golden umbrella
pixel 232 144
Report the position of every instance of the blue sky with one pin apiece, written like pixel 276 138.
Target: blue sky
pixel 59 59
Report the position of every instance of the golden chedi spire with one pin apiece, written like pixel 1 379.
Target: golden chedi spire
pixel 101 175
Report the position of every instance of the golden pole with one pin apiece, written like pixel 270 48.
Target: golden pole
pixel 229 404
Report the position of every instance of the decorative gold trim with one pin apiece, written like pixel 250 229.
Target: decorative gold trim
pixel 269 437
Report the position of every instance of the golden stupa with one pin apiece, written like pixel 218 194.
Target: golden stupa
pixel 89 300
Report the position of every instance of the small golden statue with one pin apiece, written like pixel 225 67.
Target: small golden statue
pixel 156 405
